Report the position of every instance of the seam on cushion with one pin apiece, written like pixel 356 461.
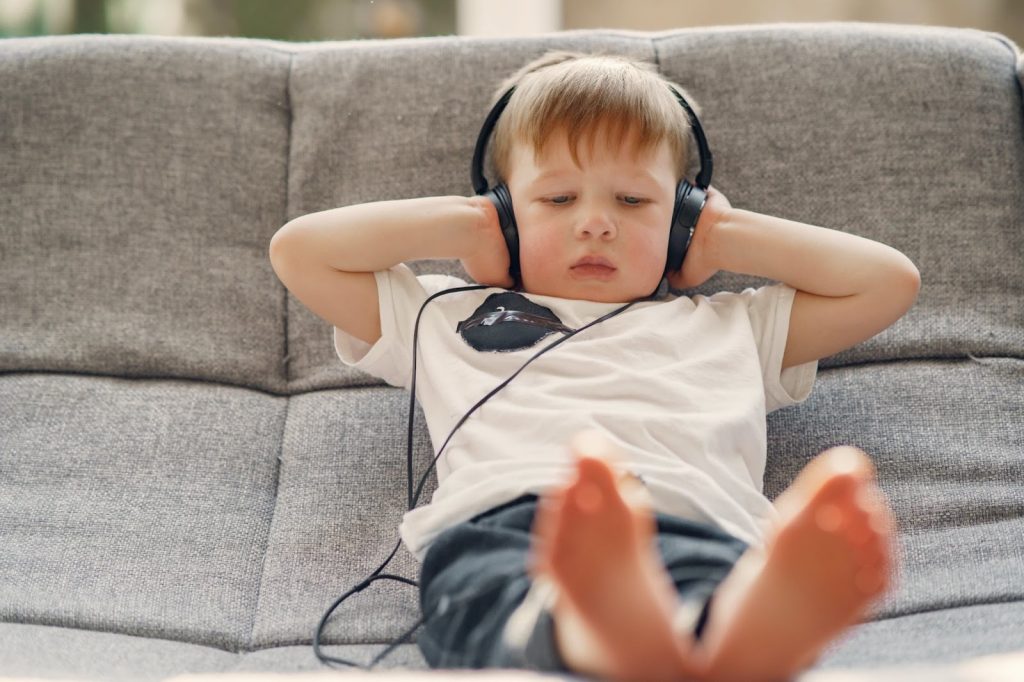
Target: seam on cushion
pixel 284 361
pixel 248 646
pixel 936 609
pixel 285 358
pixel 57 624
pixel 1005 40
pixel 894 616
pixel 965 357
pixel 368 381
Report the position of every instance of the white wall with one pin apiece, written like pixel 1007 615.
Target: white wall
pixel 507 17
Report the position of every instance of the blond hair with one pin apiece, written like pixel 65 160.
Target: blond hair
pixel 582 94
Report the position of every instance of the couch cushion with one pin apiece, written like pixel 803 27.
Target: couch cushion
pixel 341 497
pixel 911 136
pixel 936 638
pixel 145 507
pixel 142 180
pixel 956 498
pixel 946 438
pixel 137 507
pixel 907 135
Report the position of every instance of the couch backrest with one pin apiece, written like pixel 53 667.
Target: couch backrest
pixel 143 177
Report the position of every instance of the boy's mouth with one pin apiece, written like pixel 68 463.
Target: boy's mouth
pixel 593 267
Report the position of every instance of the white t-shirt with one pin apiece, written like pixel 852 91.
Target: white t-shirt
pixel 681 386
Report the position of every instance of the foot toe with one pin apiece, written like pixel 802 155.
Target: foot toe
pixel 848 459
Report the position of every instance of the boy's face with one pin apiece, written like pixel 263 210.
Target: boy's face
pixel 617 207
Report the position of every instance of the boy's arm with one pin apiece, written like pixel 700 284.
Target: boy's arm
pixel 327 259
pixel 848 288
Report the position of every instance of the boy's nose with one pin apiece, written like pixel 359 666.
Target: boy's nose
pixel 596 223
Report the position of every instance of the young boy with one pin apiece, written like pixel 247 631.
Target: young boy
pixel 618 480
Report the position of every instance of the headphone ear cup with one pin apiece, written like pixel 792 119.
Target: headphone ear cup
pixel 689 204
pixel 502 200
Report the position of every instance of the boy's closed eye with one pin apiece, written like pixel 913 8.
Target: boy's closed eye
pixel 564 199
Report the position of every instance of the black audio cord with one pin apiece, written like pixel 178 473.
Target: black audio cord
pixel 445 603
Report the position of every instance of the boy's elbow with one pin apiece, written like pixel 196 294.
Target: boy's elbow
pixel 274 250
pixel 895 289
pixel 902 277
pixel 912 280
pixel 283 253
pixel 904 287
pixel 280 243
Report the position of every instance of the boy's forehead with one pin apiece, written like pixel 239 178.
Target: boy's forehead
pixel 554 157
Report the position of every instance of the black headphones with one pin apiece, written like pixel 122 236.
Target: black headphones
pixel 690 199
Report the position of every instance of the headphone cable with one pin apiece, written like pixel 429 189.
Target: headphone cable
pixel 412 499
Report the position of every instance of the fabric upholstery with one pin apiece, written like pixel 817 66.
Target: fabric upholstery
pixel 189 477
pixel 143 178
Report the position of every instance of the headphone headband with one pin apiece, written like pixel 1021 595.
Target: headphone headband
pixel 480 184
pixel 703 178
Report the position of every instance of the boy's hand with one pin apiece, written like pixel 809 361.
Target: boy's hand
pixel 488 260
pixel 700 263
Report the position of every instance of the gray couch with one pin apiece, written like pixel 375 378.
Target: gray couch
pixel 189 476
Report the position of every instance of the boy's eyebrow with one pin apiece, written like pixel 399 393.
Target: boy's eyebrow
pixel 547 175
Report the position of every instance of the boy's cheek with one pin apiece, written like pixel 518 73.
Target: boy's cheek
pixel 527 258
pixel 539 259
pixel 534 241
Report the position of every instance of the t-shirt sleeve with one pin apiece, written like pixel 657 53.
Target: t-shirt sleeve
pixel 769 308
pixel 400 295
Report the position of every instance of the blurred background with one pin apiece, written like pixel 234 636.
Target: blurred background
pixel 306 20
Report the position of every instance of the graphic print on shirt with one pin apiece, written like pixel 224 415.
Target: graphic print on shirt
pixel 507 322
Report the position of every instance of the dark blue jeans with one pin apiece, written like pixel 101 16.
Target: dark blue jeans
pixel 474 576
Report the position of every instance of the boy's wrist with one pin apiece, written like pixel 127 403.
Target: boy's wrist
pixel 485 256
pixel 718 240
pixel 714 228
pixel 488 213
pixel 486 229
pixel 458 226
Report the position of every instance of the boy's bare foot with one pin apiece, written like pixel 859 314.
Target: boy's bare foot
pixel 829 557
pixel 827 560
pixel 615 602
